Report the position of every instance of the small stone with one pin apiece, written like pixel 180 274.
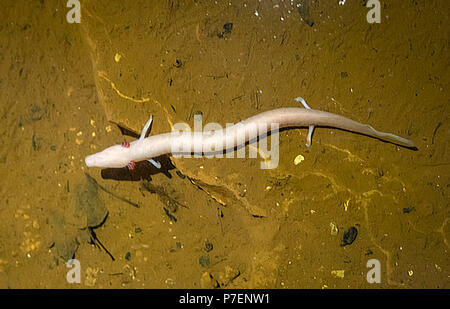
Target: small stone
pixel 227 28
pixel 298 159
pixel 338 273
pixel 128 256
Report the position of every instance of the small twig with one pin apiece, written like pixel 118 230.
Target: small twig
pixel 434 133
pixel 97 242
pixel 171 217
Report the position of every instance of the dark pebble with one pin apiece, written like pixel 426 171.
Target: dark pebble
pixel 178 63
pixel 349 236
pixel 128 256
pixel 227 28
pixel 408 210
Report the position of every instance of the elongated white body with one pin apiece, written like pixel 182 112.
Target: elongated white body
pixel 146 148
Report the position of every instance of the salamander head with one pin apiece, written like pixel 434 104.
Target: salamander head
pixel 115 156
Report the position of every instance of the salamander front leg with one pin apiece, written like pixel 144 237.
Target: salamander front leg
pixel 146 128
pixel 131 165
pixel 310 128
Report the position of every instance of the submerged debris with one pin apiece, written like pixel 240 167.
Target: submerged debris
pixel 95 183
pixel 303 10
pixel 72 229
pixel 88 205
pixel 164 196
pixel 204 260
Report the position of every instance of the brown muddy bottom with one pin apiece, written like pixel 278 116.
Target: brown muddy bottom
pixel 318 220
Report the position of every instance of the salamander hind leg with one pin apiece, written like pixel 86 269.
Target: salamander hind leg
pixel 309 138
pixel 155 163
pixel 310 128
